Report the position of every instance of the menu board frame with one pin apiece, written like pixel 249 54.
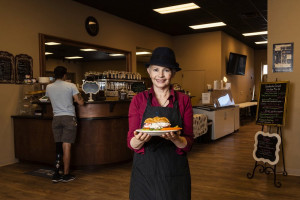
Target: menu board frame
pixel 261 108
pixel 4 55
pixel 267 147
pixel 20 58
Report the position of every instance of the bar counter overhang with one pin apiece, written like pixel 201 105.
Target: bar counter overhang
pixel 101 135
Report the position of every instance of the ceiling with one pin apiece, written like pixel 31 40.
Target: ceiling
pixel 241 16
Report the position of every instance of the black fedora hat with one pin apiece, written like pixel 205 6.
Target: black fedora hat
pixel 165 57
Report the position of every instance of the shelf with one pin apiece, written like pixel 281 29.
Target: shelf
pixel 35 92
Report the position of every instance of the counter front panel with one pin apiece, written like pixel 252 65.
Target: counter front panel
pixel 101 135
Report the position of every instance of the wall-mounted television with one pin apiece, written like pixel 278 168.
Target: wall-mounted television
pixel 236 64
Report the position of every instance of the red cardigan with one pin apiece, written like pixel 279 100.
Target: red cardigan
pixel 138 106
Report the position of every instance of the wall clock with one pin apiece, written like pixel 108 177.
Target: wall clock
pixel 92 26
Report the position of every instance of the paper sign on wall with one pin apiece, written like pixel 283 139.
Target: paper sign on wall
pixel 206 98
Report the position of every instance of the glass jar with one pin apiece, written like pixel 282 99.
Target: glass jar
pixel 113 75
pixel 104 75
pixel 129 76
pixel 133 76
pixel 100 75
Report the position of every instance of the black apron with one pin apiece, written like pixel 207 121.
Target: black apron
pixel 160 173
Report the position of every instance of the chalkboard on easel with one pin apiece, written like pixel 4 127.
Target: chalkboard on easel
pixel 272 103
pixel 23 67
pixel 266 147
pixel 6 67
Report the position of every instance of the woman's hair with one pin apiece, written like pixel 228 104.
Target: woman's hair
pixel 59 72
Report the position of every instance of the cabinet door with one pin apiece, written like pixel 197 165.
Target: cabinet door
pixel 224 123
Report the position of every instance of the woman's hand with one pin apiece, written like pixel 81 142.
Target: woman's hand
pixel 139 139
pixel 142 137
pixel 175 137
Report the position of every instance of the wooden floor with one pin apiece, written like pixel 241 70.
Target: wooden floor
pixel 218 171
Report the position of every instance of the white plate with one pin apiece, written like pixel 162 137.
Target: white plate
pixel 43 99
pixel 155 133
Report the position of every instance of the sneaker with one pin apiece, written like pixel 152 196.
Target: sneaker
pixel 56 178
pixel 67 178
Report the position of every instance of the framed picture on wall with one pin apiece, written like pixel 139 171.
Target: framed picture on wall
pixel 283 56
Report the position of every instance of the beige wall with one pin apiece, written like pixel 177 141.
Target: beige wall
pixel 260 59
pixel 283 27
pixel 200 52
pixel 241 86
pixel 9 105
pixel 208 53
pixel 199 57
pixel 22 21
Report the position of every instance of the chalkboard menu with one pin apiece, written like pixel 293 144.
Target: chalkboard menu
pixel 23 67
pixel 90 87
pixel 6 67
pixel 272 103
pixel 266 147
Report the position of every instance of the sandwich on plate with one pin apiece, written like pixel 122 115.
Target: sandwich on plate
pixel 159 123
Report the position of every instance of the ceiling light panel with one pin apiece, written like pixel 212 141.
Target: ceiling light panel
pixel 116 54
pixel 256 33
pixel 88 49
pixel 261 42
pixel 52 43
pixel 143 53
pixel 210 25
pixel 73 57
pixel 177 8
pixel 48 53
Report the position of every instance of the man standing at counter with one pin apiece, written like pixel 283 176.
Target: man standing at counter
pixel 64 125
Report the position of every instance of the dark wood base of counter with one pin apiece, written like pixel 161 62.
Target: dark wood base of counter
pixel 99 141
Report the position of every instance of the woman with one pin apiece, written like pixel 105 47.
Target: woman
pixel 160 167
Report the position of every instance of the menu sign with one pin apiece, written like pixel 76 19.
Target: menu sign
pixel 23 67
pixel 266 147
pixel 6 67
pixel 272 103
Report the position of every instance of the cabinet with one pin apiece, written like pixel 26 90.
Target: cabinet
pixel 223 120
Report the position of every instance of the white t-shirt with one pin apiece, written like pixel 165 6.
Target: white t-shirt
pixel 61 95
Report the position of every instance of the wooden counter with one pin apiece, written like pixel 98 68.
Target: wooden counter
pixel 101 136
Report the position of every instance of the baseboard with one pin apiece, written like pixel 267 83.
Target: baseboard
pixel 9 163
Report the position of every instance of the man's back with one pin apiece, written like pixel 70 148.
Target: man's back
pixel 61 96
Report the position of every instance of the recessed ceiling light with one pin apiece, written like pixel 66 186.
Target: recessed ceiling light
pixel 88 49
pixel 143 53
pixel 177 8
pixel 256 33
pixel 48 53
pixel 200 26
pixel 52 43
pixel 116 54
pixel 73 57
pixel 261 42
